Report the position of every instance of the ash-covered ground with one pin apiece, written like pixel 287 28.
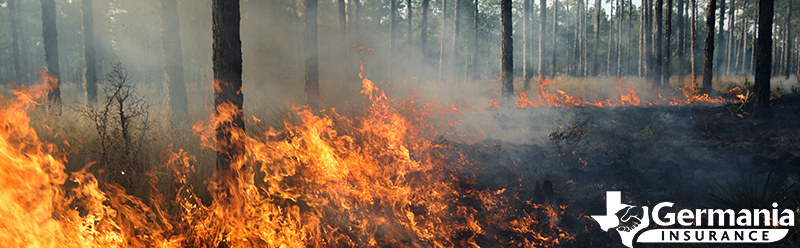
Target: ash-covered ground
pixel 696 156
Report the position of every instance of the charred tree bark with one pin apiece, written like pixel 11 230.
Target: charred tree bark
pixel 227 66
pixel 14 20
pixel 527 43
pixel 763 56
pixel 578 39
pixel 50 35
pixel 542 23
pixel 658 66
pixel 408 17
pixel 721 35
pixel 584 38
pixel 507 52
pixel 90 59
pixel 708 61
pixel 595 65
pixel 423 29
pixel 173 61
pixel 555 40
pixel 729 49
pixel 668 44
pixel 648 38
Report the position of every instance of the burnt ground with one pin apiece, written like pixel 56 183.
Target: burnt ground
pixel 680 154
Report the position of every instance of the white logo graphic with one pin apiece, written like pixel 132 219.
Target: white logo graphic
pixel 628 220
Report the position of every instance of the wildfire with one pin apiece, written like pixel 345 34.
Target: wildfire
pixel 325 180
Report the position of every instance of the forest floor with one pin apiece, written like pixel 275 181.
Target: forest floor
pixel 679 154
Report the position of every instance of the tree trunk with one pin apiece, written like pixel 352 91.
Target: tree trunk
pixel 227 66
pixel 668 44
pixel 658 66
pixel 507 52
pixel 740 56
pixel 721 35
pixel 708 61
pixel 693 41
pixel 642 44
pixel 392 35
pixel 555 39
pixel 312 53
pixel 14 20
pixel 595 65
pixel 729 48
pixel 356 16
pixel 680 26
pixel 173 61
pixel 474 69
pixel 454 60
pixel 441 41
pixel 343 21
pixel 527 43
pixel 50 35
pixel 756 24
pixel 408 17
pixel 423 29
pixel 648 37
pixel 542 24
pixel 789 38
pixel 577 46
pixel 763 55
pixel 610 38
pixel 90 74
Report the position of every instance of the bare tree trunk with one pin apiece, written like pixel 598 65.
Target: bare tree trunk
pixel 173 61
pixel 441 41
pixel 312 53
pixel 764 55
pixel 584 39
pixel 14 20
pixel 227 66
pixel 621 19
pixel 51 53
pixel 423 29
pixel 357 15
pixel 681 34
pixel 454 60
pixel 595 65
pixel 89 57
pixel 611 37
pixel 658 66
pixel 642 44
pixel 668 44
pixel 474 69
pixel 555 39
pixel 721 35
pixel 392 35
pixel 742 54
pixel 708 61
pixel 408 17
pixel 577 45
pixel 507 49
pixel 542 24
pixel 693 41
pixel 729 48
pixel 789 38
pixel 753 55
pixel 527 43
pixel 648 37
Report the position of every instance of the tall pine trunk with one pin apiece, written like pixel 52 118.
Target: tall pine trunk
pixel 408 18
pixel 659 44
pixel 693 42
pixel 789 38
pixel 454 58
pixel 173 61
pixel 595 65
pixel 542 25
pixel 763 55
pixel 14 20
pixel 680 26
pixel 668 44
pixel 721 36
pixel 423 29
pixel 227 66
pixel 577 45
pixel 312 53
pixel 729 49
pixel 642 44
pixel 356 16
pixel 555 40
pixel 708 60
pixel 441 41
pixel 610 39
pixel 50 35
pixel 89 57
pixel 648 38
pixel 507 52
pixel 527 43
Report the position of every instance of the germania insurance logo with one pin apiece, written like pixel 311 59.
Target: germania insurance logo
pixel 714 225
